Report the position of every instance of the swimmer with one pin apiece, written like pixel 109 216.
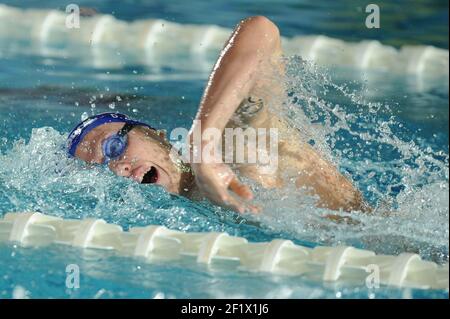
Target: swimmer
pixel 238 94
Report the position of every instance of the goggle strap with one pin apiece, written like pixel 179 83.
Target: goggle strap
pixel 125 129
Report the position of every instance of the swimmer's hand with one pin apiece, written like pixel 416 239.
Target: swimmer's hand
pixel 218 183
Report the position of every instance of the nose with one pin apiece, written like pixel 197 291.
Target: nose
pixel 121 169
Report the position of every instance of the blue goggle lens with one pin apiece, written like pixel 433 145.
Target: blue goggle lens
pixel 113 147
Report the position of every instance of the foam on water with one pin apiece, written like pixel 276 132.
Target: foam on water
pixel 404 179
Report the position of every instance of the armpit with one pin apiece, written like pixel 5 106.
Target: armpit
pixel 248 109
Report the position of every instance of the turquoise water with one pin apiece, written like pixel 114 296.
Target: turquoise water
pixel 386 132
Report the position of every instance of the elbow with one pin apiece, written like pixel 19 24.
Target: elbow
pixel 262 24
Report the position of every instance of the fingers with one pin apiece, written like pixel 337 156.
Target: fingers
pixel 235 205
pixel 238 205
pixel 240 189
pixel 223 198
pixel 254 209
pixel 217 182
pixel 244 192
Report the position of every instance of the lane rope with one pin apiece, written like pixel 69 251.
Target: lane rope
pixel 282 257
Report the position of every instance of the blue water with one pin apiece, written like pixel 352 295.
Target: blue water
pixel 402 166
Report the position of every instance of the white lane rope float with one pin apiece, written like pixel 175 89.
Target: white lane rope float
pixel 156 42
pixel 281 257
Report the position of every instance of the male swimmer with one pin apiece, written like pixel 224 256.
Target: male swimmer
pixel 236 95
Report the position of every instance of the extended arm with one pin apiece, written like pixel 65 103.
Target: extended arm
pixel 254 41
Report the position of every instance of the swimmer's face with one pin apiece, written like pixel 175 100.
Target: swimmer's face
pixel 145 160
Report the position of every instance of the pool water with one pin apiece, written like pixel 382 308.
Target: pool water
pixel 383 130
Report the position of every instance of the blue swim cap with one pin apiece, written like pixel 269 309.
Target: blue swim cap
pixel 80 131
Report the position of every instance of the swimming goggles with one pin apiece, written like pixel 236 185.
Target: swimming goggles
pixel 115 145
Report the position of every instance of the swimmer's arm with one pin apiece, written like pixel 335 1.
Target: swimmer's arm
pixel 253 42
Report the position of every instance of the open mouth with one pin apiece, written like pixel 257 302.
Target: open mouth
pixel 150 177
